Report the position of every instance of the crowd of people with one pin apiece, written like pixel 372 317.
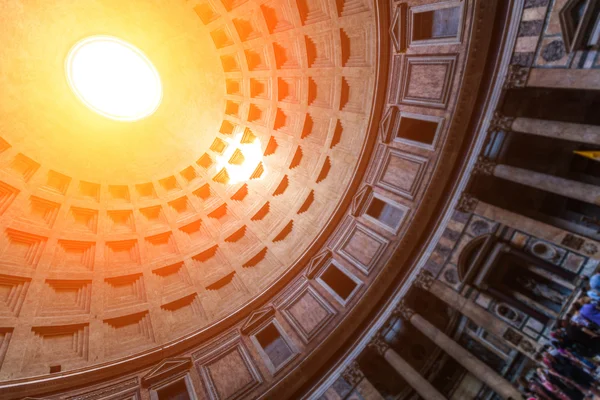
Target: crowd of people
pixel 568 365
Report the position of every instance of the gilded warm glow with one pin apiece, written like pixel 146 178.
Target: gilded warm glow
pixel 114 78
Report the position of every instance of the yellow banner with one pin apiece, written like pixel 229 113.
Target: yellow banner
pixel 594 155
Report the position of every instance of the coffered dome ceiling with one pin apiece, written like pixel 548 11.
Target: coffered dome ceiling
pixel 179 219
pixel 298 164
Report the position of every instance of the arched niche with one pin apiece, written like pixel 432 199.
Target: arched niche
pixel 528 280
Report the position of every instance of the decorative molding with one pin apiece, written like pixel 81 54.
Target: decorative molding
pixel 403 311
pixel 484 166
pixel 528 347
pixel 512 336
pixel 574 29
pixel 118 388
pixel 166 369
pixel 256 318
pixel 572 241
pixel 424 280
pixel 359 200
pixel 317 262
pixel 467 203
pixel 579 244
pixel 519 341
pixel 421 73
pixel 501 122
pixel 378 344
pixel 590 249
pixel 388 124
pixel 353 374
pixel 398 28
pixel 517 77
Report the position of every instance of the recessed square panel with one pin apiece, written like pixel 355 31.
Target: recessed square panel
pixel 401 173
pixel 427 80
pixel 307 312
pixel 228 372
pixel 362 247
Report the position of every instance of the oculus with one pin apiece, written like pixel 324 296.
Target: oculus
pixel 113 78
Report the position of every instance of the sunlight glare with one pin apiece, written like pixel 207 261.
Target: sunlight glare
pixel 252 153
pixel 114 78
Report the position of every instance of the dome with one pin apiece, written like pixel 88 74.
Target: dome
pixel 177 221
pixel 227 199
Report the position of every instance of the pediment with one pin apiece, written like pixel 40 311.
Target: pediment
pixel 257 318
pixel 317 262
pixel 165 369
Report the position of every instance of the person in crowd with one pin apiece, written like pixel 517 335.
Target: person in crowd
pixel 595 281
pixel 576 317
pixel 569 364
pixel 569 372
pixel 535 390
pixel 583 362
pixel 579 339
pixel 591 313
pixel 594 295
pixel 558 385
pixel 583 300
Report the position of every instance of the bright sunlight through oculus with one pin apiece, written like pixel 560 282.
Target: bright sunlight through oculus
pixel 113 78
pixel 240 159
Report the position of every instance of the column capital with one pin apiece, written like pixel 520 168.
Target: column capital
pixel 467 203
pixel 403 311
pixel 501 122
pixel 353 374
pixel 424 280
pixel 378 344
pixel 517 77
pixel 484 166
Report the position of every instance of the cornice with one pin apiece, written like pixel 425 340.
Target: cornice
pixel 392 298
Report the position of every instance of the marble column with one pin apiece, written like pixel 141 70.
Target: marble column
pixel 564 78
pixel 556 78
pixel 549 183
pixel 405 370
pixel 542 230
pixel 476 313
pixel 479 369
pixel 579 133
